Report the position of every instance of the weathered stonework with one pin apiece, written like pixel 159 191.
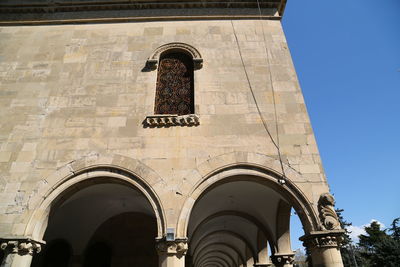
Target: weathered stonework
pixel 171 120
pixel 327 213
pixel 77 114
pixel 177 247
pixel 283 259
pixel 20 246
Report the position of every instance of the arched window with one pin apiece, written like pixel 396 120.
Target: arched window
pixel 174 90
pixel 174 97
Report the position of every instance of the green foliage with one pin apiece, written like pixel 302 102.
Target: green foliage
pixel 347 249
pixel 378 248
pixel 395 229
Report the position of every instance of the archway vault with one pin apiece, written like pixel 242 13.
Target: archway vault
pixel 93 169
pixel 245 166
pixel 254 202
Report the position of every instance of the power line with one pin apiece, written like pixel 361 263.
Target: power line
pixel 276 144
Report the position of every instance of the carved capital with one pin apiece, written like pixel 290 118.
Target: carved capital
pixel 167 120
pixel 280 259
pixel 327 214
pixel 177 247
pixel 20 246
pixel 323 239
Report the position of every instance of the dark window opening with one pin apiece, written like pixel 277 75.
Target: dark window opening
pixel 174 91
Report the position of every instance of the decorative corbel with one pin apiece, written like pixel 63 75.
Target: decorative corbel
pixel 21 246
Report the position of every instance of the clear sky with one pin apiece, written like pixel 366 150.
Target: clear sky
pixel 347 57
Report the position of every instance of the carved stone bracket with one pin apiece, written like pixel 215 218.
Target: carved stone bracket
pixel 177 247
pixel 21 246
pixel 327 214
pixel 323 239
pixel 280 259
pixel 168 120
pixel 152 62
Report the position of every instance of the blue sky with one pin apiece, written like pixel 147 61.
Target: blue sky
pixel 347 57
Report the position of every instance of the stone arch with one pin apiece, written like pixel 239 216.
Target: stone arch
pixel 265 230
pixel 191 51
pixel 93 169
pixel 203 256
pixel 229 246
pixel 258 168
pixel 229 233
pixel 220 262
pixel 223 257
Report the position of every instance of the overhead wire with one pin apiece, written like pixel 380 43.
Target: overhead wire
pixel 275 143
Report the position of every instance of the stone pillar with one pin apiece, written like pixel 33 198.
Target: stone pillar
pixel 19 251
pixel 324 247
pixel 283 259
pixel 172 253
pixel 263 258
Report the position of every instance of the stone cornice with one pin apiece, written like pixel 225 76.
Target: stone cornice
pixel 73 6
pixel 62 12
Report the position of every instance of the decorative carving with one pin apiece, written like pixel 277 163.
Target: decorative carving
pixel 21 246
pixel 167 120
pixel 177 247
pixel 323 239
pixel 76 6
pixel 282 259
pixel 153 60
pixel 327 214
pixel 174 92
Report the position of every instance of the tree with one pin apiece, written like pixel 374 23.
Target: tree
pixel 347 248
pixel 378 248
pixel 395 229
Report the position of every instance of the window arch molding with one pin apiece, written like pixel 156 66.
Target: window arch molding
pixel 166 97
pixel 153 60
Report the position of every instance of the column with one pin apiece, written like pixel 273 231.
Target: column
pixel 283 259
pixel 19 251
pixel 172 253
pixel 324 247
pixel 263 258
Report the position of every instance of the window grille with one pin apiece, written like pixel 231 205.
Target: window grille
pixel 174 90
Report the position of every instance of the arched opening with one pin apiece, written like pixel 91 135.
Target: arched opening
pixel 175 85
pixel 2 256
pixel 105 222
pixel 98 254
pixel 250 225
pixel 58 252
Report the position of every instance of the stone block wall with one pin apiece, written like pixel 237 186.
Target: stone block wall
pixel 73 91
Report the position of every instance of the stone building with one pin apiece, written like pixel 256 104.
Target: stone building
pixel 155 133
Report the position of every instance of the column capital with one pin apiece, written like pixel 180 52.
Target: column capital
pixel 21 245
pixel 176 247
pixel 282 259
pixel 323 239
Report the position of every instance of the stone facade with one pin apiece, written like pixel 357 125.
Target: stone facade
pixel 76 98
